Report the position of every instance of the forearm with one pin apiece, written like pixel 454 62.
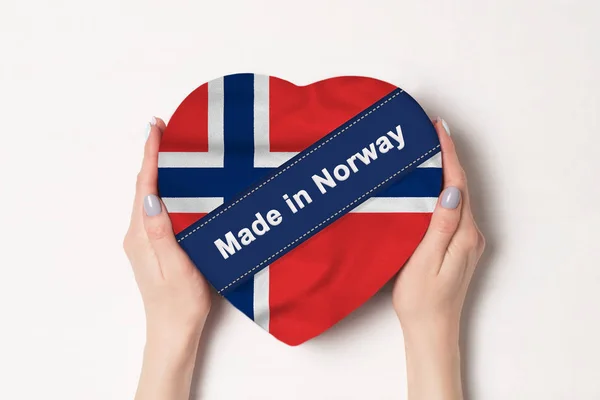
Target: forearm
pixel 167 369
pixel 433 364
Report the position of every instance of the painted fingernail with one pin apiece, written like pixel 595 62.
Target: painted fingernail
pixel 149 126
pixel 148 129
pixel 152 205
pixel 445 125
pixel 450 197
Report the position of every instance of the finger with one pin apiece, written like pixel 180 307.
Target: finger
pixel 444 224
pixel 148 175
pixel 453 172
pixel 466 238
pixel 468 241
pixel 160 123
pixel 149 168
pixel 160 234
pixel 446 217
pixel 466 232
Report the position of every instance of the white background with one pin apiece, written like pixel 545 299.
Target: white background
pixel 516 80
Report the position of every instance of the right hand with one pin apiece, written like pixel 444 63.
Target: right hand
pixel 430 290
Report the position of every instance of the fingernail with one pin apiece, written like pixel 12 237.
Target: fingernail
pixel 153 121
pixel 152 205
pixel 445 125
pixel 450 197
pixel 148 129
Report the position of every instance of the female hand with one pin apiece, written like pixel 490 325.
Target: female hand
pixel 430 290
pixel 176 297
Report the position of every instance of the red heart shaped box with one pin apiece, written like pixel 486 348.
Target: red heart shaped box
pixel 324 279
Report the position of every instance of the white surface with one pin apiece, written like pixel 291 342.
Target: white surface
pixel 516 80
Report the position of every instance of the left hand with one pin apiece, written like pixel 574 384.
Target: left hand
pixel 176 296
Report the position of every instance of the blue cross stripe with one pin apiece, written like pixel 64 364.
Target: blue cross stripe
pixel 239 172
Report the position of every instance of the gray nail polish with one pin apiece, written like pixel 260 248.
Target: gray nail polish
pixel 147 131
pixel 152 205
pixel 450 197
pixel 446 127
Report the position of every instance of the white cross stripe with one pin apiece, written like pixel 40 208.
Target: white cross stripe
pixel 372 205
pixel 261 309
pixel 192 204
pixel 397 205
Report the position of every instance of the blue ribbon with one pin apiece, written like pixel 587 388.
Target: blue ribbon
pixel 311 191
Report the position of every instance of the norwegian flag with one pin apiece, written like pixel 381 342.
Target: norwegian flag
pixel 230 133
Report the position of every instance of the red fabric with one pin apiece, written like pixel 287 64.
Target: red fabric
pixel 330 275
pixel 301 115
pixel 314 287
pixel 190 122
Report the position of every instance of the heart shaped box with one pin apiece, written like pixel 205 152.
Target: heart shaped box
pixel 244 126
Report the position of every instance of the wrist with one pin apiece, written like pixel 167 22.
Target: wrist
pixel 432 348
pixel 440 332
pixel 173 344
pixel 433 361
pixel 169 361
pixel 430 326
pixel 173 355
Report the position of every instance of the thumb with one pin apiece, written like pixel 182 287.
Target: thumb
pixel 160 232
pixel 444 222
pixel 447 215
